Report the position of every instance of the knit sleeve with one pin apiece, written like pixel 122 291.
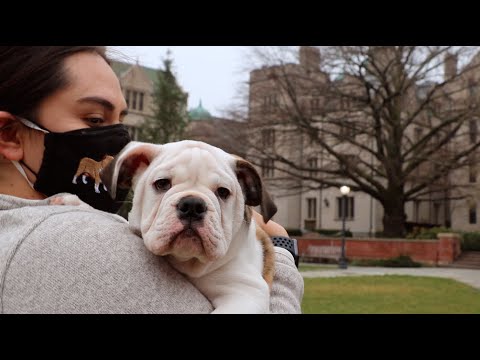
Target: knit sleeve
pixel 288 285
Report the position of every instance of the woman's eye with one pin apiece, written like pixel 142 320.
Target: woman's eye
pixel 163 184
pixel 95 120
pixel 223 192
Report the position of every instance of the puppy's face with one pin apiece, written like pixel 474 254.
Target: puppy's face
pixel 184 200
pixel 189 197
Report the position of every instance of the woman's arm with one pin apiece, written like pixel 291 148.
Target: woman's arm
pixel 288 285
pixel 271 227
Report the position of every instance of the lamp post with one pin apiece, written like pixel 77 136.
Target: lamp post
pixel 345 190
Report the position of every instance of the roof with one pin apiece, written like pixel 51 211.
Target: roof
pixel 199 113
pixel 120 68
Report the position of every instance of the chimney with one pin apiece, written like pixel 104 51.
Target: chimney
pixel 310 58
pixel 450 66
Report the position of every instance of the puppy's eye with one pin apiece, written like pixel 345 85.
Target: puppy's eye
pixel 162 184
pixel 223 193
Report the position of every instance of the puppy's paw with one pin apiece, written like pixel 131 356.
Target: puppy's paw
pixel 57 200
pixel 72 200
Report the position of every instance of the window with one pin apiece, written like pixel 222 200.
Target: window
pixel 267 168
pixel 127 98
pixel 315 105
pixel 270 102
pixel 472 214
pixel 344 103
pixel 416 210
pixel 274 100
pixel 436 213
pixel 472 88
pixel 472 173
pixel 313 137
pixel 140 102
pixel 134 100
pixel 351 161
pixel 473 131
pixel 312 163
pixel 350 207
pixel 347 129
pixel 268 137
pixel 312 208
pixel 418 134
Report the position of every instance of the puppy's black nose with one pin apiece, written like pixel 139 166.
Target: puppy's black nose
pixel 191 208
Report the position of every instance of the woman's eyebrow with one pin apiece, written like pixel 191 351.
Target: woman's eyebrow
pixel 102 102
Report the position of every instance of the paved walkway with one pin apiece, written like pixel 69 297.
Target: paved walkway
pixel 467 276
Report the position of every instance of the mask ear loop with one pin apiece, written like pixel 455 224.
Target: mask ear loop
pixel 22 171
pixel 32 125
pixel 15 163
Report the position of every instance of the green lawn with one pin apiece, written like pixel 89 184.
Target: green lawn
pixel 313 267
pixel 389 294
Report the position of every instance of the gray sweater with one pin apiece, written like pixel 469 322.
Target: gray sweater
pixel 64 259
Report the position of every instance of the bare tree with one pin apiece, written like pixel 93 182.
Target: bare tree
pixel 395 122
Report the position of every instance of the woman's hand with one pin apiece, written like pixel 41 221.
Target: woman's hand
pixel 271 227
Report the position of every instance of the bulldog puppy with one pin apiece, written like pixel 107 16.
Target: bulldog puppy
pixel 192 204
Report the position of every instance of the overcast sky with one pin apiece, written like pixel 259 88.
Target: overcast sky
pixel 210 73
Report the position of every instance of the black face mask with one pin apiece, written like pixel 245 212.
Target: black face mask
pixel 72 162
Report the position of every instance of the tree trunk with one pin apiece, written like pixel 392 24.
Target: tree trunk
pixel 394 218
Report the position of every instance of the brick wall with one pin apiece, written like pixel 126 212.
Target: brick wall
pixel 441 251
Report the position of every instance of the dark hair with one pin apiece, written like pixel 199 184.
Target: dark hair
pixel 29 74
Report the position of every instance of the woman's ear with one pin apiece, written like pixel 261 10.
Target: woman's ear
pixel 10 143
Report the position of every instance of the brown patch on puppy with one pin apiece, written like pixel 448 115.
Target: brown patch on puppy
pixel 256 194
pixel 268 256
pixel 247 215
pixel 254 190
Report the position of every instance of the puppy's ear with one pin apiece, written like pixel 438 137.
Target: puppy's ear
pixel 254 190
pixel 134 158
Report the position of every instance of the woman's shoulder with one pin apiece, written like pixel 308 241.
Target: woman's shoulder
pixel 73 260
pixel 30 214
pixel 64 226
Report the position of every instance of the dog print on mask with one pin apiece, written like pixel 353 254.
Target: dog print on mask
pixel 91 168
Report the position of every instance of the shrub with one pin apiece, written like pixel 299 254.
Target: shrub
pixel 333 232
pixel 410 226
pixel 470 241
pixel 399 261
pixel 426 233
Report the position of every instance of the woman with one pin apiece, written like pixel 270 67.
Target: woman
pixel 57 106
